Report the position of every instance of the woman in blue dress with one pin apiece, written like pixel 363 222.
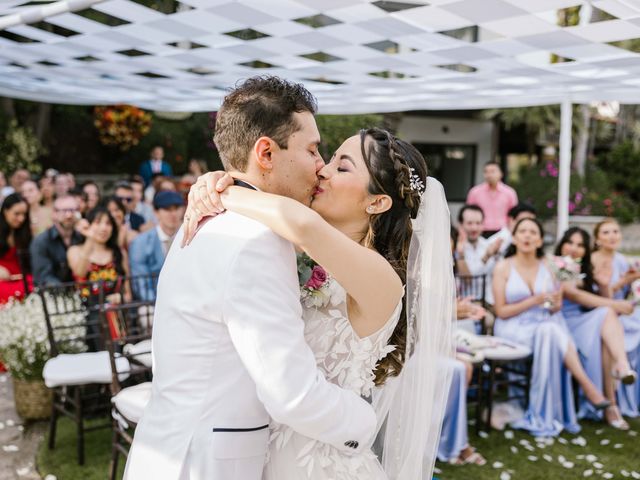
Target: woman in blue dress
pixel 528 311
pixel 596 329
pixel 614 275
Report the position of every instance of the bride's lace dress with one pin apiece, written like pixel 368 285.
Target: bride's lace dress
pixel 348 361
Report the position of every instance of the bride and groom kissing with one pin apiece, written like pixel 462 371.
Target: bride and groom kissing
pixel 249 382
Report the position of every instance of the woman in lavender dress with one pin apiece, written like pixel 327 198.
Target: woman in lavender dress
pixel 614 275
pixel 596 329
pixel 528 312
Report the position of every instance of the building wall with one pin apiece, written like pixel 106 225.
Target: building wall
pixel 451 131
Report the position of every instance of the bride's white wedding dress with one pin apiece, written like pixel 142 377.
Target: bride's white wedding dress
pixel 348 361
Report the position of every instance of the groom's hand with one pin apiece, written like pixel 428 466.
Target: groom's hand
pixel 204 201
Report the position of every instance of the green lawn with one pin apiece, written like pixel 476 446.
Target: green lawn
pixel 62 461
pixel 621 453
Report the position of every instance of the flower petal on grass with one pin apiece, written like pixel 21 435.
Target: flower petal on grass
pixel 587 473
pixel 498 465
pixel 532 458
pixel 505 476
pixel 605 441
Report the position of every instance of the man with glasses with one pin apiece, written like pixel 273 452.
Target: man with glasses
pixel 124 193
pixel 49 249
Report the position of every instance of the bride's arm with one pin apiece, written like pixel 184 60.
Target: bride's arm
pixel 366 276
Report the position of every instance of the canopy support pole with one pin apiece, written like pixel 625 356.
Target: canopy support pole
pixel 564 177
pixel 39 13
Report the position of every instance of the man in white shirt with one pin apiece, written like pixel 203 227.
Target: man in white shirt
pixel 477 252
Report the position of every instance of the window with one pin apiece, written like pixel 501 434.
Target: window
pixel 453 165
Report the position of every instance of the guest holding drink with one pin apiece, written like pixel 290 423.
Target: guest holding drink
pixel 527 304
pixel 595 328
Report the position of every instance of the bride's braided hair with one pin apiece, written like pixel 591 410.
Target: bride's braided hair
pixel 396 169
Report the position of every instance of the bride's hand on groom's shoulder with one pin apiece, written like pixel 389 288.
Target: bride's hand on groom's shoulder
pixel 204 201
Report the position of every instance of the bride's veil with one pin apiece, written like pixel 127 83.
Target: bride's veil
pixel 411 406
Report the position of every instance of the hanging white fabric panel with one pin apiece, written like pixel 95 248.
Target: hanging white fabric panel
pixel 354 55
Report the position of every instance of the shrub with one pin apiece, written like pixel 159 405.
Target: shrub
pixel 591 195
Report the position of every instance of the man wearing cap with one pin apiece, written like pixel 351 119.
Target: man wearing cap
pixel 149 249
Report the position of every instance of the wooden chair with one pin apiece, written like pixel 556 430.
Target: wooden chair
pixel 127 330
pixel 78 371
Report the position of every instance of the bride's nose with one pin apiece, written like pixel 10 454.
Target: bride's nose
pixel 325 172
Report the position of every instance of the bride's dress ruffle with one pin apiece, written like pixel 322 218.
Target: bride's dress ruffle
pixel 348 361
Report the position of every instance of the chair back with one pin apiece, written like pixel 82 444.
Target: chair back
pixel 127 331
pixel 71 316
pixel 473 286
pixel 144 287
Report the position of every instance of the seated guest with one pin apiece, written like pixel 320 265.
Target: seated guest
pixel 62 183
pixel 477 252
pixel 49 249
pixel 139 206
pixel 81 199
pixel 47 190
pixel 454 446
pixel 148 251
pixel 528 312
pixel 514 215
pixel 92 192
pixel 119 212
pixel 100 261
pixel 596 329
pixel 614 275
pixel 124 193
pixel 15 237
pixel 99 251
pixel 41 216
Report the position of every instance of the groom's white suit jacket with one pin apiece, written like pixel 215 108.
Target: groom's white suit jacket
pixel 228 354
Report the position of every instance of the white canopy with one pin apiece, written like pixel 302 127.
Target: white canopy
pixel 354 55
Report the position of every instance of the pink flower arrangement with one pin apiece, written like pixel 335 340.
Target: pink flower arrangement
pixel 565 269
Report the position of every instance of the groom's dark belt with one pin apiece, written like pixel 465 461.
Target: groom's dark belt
pixel 254 429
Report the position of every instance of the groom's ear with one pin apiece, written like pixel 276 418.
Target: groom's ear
pixel 263 148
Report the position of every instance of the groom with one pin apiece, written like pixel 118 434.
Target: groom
pixel 228 346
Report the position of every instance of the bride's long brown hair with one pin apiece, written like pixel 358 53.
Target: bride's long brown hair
pixel 391 163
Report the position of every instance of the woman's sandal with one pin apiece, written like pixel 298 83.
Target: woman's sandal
pixel 473 458
pixel 627 378
pixel 619 423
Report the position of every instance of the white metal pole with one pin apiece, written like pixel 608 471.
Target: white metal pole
pixel 564 177
pixel 38 13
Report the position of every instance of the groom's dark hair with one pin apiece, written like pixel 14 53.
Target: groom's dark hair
pixel 259 107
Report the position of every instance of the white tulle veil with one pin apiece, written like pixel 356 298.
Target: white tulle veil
pixel 410 407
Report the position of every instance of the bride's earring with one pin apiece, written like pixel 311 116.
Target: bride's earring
pixel 370 209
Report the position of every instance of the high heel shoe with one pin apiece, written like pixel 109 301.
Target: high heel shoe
pixel 628 378
pixel 619 423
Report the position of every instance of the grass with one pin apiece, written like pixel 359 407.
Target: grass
pixel 497 448
pixel 61 462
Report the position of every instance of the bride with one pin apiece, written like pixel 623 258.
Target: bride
pixel 378 306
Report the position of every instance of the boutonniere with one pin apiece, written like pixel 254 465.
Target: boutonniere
pixel 315 283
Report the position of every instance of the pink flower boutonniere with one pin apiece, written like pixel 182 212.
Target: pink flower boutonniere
pixel 315 284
